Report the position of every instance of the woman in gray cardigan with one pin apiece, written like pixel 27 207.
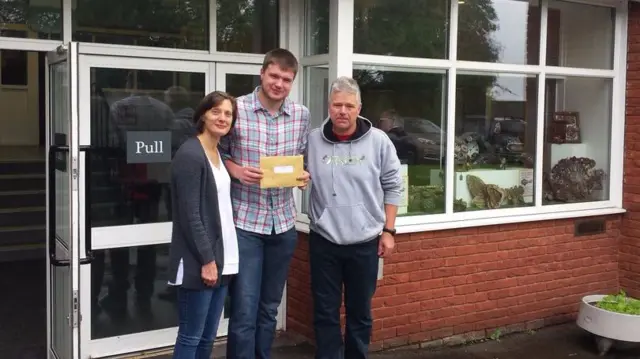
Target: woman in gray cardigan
pixel 204 246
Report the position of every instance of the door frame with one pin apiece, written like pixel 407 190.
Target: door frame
pixel 121 236
pixel 137 234
pixel 66 54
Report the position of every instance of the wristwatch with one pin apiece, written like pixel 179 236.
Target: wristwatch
pixel 389 230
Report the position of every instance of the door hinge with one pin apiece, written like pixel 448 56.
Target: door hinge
pixel 75 318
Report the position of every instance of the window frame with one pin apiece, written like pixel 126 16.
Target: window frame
pixel 342 61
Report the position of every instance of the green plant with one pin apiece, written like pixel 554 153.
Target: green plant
pixel 496 335
pixel 620 303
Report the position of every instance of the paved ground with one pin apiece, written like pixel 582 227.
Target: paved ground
pixel 559 342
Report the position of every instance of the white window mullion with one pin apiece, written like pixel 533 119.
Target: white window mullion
pixel 341 18
pixel 449 188
pixel 618 110
pixel 541 110
pixel 213 19
pixel 67 29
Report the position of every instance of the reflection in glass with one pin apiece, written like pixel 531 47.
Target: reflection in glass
pixel 24 18
pixel 504 31
pixel 169 23
pixel 571 38
pixel 124 193
pixel 247 26
pixel 129 291
pixel 495 141
pixel 240 84
pixel 577 140
pixel 411 28
pixel 316 27
pixel 411 108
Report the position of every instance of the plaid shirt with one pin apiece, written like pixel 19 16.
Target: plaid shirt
pixel 255 134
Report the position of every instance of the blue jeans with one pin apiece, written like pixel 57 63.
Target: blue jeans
pixel 256 292
pixel 356 268
pixel 199 314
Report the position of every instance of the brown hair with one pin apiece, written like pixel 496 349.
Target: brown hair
pixel 281 57
pixel 212 100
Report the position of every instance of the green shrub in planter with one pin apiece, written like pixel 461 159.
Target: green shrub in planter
pixel 620 303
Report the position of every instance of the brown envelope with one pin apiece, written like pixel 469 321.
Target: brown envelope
pixel 281 171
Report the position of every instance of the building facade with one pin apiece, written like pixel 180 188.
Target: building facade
pixel 514 121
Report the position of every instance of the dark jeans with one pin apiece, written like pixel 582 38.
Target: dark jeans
pixel 199 314
pixel 332 266
pixel 256 292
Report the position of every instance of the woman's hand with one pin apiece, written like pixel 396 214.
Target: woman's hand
pixel 209 273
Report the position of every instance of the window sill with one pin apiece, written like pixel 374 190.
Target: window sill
pixel 303 226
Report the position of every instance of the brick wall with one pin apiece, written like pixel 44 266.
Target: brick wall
pixel 630 228
pixel 472 281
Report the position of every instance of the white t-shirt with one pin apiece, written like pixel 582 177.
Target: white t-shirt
pixel 229 236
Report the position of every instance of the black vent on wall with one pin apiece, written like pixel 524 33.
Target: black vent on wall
pixel 589 227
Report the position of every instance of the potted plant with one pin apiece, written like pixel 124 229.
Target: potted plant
pixel 611 318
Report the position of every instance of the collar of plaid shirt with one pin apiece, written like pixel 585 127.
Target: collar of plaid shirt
pixel 256 105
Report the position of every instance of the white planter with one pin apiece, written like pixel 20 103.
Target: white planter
pixel 606 325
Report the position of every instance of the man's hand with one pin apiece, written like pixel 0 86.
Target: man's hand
pixel 209 273
pixel 305 180
pixel 249 175
pixel 386 244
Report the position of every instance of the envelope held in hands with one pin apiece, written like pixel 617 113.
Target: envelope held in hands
pixel 281 171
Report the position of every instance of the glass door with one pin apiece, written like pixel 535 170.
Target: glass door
pixel 239 80
pixel 63 225
pixel 135 114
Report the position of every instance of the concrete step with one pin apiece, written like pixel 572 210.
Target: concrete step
pixel 22 235
pixel 22 216
pixel 22 167
pixel 17 199
pixel 23 252
pixel 22 182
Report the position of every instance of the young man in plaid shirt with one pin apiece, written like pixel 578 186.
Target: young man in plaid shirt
pixel 268 124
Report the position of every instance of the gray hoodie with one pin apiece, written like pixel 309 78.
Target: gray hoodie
pixel 352 180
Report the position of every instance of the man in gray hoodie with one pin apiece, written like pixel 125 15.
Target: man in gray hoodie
pixel 355 193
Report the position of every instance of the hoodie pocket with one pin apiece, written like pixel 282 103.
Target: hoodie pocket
pixel 348 224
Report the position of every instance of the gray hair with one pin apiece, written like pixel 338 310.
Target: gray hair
pixel 346 84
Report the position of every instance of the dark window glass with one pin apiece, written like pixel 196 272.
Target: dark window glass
pixel 495 143
pixel 248 26
pixel 171 23
pixel 41 19
pixel 410 107
pixel 124 193
pixel 413 28
pixel 14 67
pixel 130 291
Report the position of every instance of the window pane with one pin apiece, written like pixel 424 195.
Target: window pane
pixel 411 108
pixel 412 28
pixel 170 23
pixel 123 102
pixel 496 119
pixel 14 67
pixel 316 27
pixel 316 98
pixel 248 26
pixel 572 38
pixel 129 291
pixel 577 145
pixel 504 31
pixel 22 18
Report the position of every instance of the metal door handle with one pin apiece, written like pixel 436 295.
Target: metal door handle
pixel 89 256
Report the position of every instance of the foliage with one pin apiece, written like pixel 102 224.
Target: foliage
pixel 620 303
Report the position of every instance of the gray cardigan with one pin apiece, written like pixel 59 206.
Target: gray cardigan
pixel 196 236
